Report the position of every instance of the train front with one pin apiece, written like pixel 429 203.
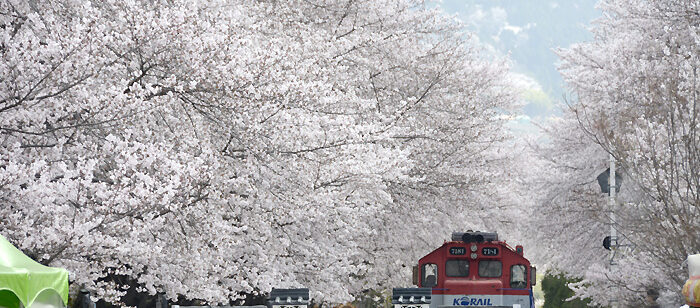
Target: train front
pixel 475 269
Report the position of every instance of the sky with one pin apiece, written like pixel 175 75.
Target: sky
pixel 528 32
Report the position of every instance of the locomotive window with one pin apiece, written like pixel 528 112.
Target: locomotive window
pixel 490 268
pixel 457 268
pixel 429 275
pixel 518 276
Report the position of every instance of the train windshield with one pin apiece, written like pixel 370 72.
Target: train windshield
pixel 490 268
pixel 457 268
pixel 518 276
pixel 429 271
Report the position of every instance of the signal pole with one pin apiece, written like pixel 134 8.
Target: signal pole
pixel 608 184
pixel 613 232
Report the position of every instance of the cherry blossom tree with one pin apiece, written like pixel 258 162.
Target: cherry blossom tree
pixel 636 90
pixel 213 149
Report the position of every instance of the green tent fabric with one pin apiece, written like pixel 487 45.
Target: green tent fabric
pixel 24 279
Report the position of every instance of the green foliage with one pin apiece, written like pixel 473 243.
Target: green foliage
pixel 556 292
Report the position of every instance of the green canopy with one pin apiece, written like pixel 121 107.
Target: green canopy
pixel 23 279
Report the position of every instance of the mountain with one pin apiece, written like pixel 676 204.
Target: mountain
pixel 529 31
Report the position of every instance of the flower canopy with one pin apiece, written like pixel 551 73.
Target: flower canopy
pixel 23 280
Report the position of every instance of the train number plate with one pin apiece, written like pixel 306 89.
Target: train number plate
pixel 489 251
pixel 458 251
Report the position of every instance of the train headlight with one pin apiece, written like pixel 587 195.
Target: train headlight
pixel 473 247
pixel 474 255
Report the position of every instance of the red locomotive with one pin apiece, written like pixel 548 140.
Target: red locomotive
pixel 475 269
